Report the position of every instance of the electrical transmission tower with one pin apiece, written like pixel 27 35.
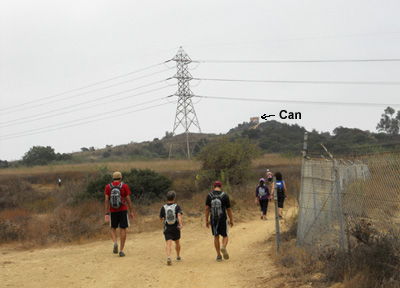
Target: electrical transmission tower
pixel 185 113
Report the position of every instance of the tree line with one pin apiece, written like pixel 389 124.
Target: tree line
pixel 270 137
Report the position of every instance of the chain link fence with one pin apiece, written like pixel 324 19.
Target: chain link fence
pixel 337 194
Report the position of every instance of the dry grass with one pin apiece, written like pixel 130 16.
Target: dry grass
pixel 156 165
pixel 374 260
pixel 272 160
pixel 48 214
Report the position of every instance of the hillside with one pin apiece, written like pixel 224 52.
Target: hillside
pixel 270 137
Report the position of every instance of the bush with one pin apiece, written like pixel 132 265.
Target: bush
pixel 17 193
pixel 233 159
pixel 374 258
pixel 146 185
pixel 14 225
pixel 73 223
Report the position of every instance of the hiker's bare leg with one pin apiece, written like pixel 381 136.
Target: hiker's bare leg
pixel 123 238
pixel 177 248
pixel 280 211
pixel 217 245
pixel 114 234
pixel 169 244
pixel 225 241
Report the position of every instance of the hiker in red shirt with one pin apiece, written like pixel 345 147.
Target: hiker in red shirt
pixel 117 199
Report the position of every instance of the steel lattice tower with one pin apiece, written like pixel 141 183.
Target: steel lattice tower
pixel 185 113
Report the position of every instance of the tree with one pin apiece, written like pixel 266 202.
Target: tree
pixel 388 123
pixel 39 155
pixel 231 159
pixel 3 164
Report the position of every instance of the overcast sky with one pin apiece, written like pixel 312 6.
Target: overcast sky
pixel 85 73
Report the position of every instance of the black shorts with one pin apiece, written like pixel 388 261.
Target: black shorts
pixel 119 219
pixel 172 233
pixel 281 199
pixel 269 179
pixel 219 228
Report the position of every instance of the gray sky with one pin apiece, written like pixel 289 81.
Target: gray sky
pixel 51 50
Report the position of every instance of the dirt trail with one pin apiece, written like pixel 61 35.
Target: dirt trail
pixel 94 265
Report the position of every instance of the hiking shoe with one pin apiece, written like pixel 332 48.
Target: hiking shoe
pixel 261 217
pixel 219 258
pixel 178 258
pixel 225 253
pixel 169 261
pixel 121 254
pixel 115 250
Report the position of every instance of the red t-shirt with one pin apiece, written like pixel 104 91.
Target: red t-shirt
pixel 124 192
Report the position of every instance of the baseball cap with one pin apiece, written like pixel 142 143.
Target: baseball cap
pixel 262 179
pixel 217 184
pixel 117 175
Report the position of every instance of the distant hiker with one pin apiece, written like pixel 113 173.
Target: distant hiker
pixel 217 206
pixel 269 175
pixel 117 199
pixel 171 214
pixel 262 196
pixel 281 190
pixel 59 182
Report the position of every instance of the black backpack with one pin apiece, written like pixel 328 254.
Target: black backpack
pixel 216 206
pixel 115 196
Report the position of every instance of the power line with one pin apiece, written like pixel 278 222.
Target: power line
pixel 302 82
pixel 299 101
pixel 94 100
pixel 52 127
pixel 91 91
pixel 87 86
pixel 79 109
pixel 297 61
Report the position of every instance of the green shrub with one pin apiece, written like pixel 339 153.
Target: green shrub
pixel 146 185
pixel 233 159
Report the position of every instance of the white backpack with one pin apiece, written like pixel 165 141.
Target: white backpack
pixel 170 215
pixel 261 192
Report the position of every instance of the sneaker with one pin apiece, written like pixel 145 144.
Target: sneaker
pixel 225 253
pixel 115 250
pixel 261 217
pixel 178 258
pixel 169 261
pixel 121 254
pixel 219 258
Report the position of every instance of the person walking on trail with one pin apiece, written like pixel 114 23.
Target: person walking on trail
pixel 59 182
pixel 218 206
pixel 171 214
pixel 116 205
pixel 262 196
pixel 269 175
pixel 281 190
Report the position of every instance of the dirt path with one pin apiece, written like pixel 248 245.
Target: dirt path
pixel 94 265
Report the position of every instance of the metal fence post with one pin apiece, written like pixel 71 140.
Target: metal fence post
pixel 277 232
pixel 300 212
